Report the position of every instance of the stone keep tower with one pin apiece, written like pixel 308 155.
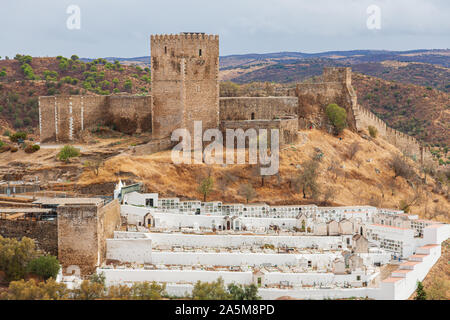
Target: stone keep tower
pixel 185 87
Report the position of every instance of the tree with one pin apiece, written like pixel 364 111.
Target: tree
pixel 373 131
pixel 307 179
pixel 246 292
pixel 98 278
pixel 247 191
pixel 428 168
pixel 337 117
pixel 94 165
pixel 32 290
pixel 329 194
pixel 147 291
pixel 229 89
pixel 206 186
pixel 128 85
pixel 15 256
pixel 74 57
pixel 89 290
pixel 420 292
pixel 210 291
pixel 353 149
pixel 401 167
pixel 68 152
pixel 44 266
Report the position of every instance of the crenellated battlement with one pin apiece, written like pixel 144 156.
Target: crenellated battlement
pixel 195 36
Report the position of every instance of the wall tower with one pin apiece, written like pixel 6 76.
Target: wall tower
pixel 185 87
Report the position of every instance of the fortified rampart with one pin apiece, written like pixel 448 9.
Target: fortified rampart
pixel 44 233
pixel 256 108
pixel 63 118
pixel 336 87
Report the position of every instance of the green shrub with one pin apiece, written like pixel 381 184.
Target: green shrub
pixel 337 116
pixel 373 131
pixel 128 85
pixel 68 152
pixel 44 266
pixel 19 135
pixel 31 148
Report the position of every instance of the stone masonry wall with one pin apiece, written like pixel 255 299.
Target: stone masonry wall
pixel 44 233
pixel 185 85
pixel 63 118
pixel 108 222
pixel 130 114
pixel 78 237
pixel 336 87
pixel 248 108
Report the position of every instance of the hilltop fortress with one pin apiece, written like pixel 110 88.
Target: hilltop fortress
pixel 185 88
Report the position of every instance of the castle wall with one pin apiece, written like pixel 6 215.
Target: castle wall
pixel 63 118
pixel 248 108
pixel 108 222
pixel 44 233
pixel 313 98
pixel 336 87
pixel 130 114
pixel 288 128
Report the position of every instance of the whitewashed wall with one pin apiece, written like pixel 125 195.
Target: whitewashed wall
pixel 116 276
pixel 217 241
pixel 239 258
pixel 129 250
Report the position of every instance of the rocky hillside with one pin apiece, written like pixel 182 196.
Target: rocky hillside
pixel 421 112
pixel 344 177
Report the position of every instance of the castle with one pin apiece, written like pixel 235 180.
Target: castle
pixel 185 88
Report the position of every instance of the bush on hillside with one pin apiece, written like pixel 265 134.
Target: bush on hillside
pixel 19 135
pixel 31 148
pixel 68 152
pixel 337 116
pixel 373 131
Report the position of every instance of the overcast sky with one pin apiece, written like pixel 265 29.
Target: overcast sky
pixel 122 28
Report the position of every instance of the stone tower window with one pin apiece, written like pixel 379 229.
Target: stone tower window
pixel 165 50
pixel 199 52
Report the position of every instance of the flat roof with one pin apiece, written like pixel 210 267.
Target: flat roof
pixel 24 210
pixel 69 201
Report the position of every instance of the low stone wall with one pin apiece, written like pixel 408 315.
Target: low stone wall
pixel 251 108
pixel 44 233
